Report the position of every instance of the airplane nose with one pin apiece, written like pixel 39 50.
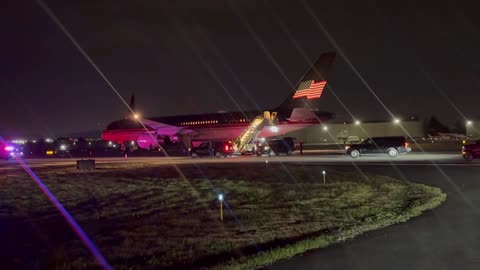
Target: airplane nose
pixel 104 136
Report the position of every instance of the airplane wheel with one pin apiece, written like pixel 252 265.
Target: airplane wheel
pixel 218 154
pixel 194 155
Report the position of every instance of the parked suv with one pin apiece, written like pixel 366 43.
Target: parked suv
pixel 212 148
pixel 471 151
pixel 278 146
pixel 391 146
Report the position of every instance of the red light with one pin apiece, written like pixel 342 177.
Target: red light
pixel 8 148
pixel 406 144
pixel 226 147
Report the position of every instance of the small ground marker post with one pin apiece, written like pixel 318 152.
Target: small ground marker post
pixel 220 199
pixel 324 175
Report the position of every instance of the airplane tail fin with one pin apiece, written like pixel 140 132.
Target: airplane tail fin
pixel 131 107
pixel 132 102
pixel 310 88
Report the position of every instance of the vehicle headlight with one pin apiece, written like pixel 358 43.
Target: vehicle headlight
pixel 266 147
pixel 347 147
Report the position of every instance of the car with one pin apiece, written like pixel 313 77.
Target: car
pixel 276 146
pixel 471 151
pixel 212 148
pixel 391 146
pixel 6 151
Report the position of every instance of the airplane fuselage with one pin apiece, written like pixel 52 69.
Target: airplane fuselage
pixel 213 126
pixel 297 111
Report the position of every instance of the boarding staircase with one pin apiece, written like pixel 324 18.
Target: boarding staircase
pixel 251 132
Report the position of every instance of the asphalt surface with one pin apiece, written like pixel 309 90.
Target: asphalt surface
pixel 447 237
pixel 414 159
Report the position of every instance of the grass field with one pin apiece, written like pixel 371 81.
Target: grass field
pixel 149 217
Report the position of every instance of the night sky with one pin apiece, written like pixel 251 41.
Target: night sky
pixel 190 56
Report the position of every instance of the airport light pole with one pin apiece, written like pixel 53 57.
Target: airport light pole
pixel 220 199
pixel 468 125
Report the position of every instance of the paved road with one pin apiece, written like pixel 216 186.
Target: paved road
pixel 426 159
pixel 445 238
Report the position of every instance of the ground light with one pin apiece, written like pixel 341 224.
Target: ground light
pixel 220 199
pixel 136 116
pixel 325 128
pixel 469 123
pixel 396 121
pixel 357 122
pixel 324 175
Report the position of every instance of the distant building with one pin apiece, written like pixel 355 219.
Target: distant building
pixel 334 132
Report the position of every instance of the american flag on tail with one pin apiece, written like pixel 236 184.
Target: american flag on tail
pixel 310 89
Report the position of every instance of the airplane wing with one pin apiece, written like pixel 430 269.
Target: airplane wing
pixel 167 130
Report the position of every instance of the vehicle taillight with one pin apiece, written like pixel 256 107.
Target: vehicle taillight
pixel 8 148
pixel 226 147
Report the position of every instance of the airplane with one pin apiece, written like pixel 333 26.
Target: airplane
pixel 298 111
pixel 449 136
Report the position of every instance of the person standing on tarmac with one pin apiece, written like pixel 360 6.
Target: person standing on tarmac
pixel 301 147
pixel 210 148
pixel 124 151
